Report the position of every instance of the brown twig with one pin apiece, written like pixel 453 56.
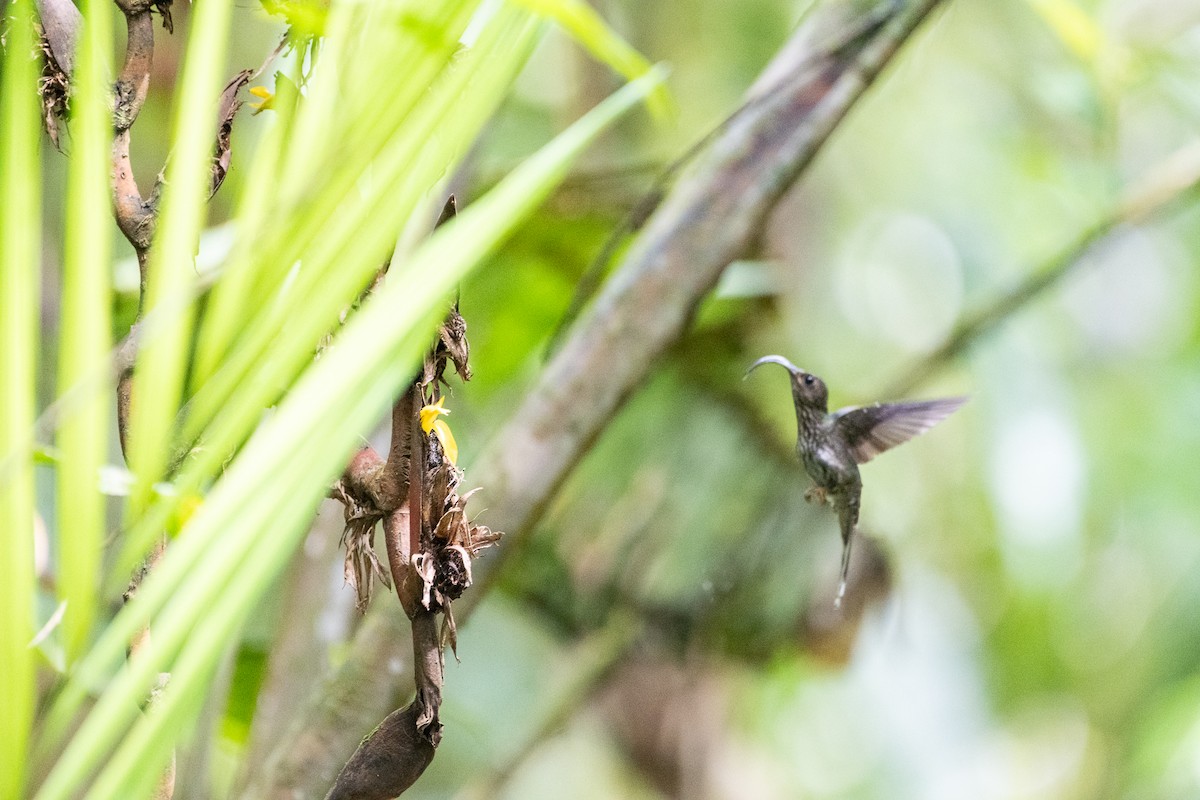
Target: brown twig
pixel 393 481
pixel 711 215
pixel 416 469
pixel 135 217
pixel 427 674
pixel 420 536
pixel 394 489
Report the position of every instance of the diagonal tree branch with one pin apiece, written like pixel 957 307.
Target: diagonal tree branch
pixel 845 33
pixel 712 215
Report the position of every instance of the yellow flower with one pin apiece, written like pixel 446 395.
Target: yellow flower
pixel 438 427
pixel 267 100
pixel 430 414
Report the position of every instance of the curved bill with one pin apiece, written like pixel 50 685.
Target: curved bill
pixel 780 360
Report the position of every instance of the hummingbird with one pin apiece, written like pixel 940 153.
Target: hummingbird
pixel 831 446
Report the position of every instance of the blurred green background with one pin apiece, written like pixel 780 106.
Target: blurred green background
pixel 1024 621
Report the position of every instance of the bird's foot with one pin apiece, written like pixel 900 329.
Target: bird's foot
pixel 817 494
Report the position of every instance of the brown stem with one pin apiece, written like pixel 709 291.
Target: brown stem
pixel 395 537
pixel 416 471
pixel 133 84
pixel 427 674
pixel 135 221
pixel 394 481
pixel 135 217
pixel 396 753
pixel 398 523
pixel 124 401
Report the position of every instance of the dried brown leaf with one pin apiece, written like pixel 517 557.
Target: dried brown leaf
pixel 448 634
pixel 425 568
pixel 163 7
pixel 480 537
pixel 227 109
pixel 362 564
pixel 453 344
pixel 452 526
pixel 441 478
pixel 54 91
pixel 453 572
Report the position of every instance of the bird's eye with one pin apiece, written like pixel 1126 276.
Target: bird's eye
pixel 808 380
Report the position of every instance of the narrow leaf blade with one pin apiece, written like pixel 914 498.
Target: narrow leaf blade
pixel 20 223
pixel 85 337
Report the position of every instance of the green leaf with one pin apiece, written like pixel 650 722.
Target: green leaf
pixel 589 29
pixel 232 297
pixel 171 275
pixel 342 126
pixel 84 337
pixel 20 257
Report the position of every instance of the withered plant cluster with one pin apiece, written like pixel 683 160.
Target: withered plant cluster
pixel 429 554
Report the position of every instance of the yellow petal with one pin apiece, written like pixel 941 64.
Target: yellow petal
pixel 449 446
pixel 430 413
pixel 268 99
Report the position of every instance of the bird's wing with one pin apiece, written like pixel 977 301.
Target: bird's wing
pixel 869 430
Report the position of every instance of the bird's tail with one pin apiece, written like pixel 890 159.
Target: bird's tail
pixel 841 592
pixel 847 522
